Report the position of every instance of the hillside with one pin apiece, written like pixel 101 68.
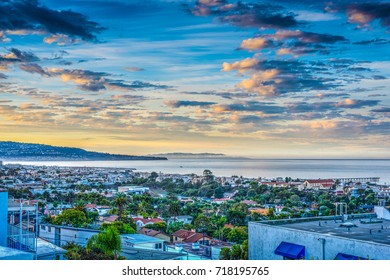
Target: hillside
pixel 39 152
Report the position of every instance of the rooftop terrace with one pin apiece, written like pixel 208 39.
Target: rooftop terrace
pixel 363 227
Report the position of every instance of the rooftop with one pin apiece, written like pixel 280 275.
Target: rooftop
pixel 140 238
pixel 46 248
pixel 9 253
pixel 144 254
pixel 359 228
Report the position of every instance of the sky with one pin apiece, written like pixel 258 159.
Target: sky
pixel 265 79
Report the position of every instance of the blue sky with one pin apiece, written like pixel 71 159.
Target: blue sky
pixel 262 78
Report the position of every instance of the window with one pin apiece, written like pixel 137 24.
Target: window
pixel 49 229
pixel 158 246
pixel 43 227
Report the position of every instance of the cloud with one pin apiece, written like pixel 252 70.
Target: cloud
pixel 365 13
pixel 379 77
pixel 294 42
pixel 20 17
pixel 246 14
pixel 249 106
pixel 276 77
pixel 271 77
pixel 240 66
pixel 256 43
pixel 356 103
pixel 98 81
pixel 16 56
pixel 134 69
pixel 381 110
pixel 378 41
pixel 304 107
pixel 60 39
pixel 33 68
pixel 187 103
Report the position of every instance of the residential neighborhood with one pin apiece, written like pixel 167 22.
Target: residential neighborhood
pixel 184 216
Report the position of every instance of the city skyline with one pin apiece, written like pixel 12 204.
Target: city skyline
pixel 279 79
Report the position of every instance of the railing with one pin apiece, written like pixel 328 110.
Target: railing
pixel 21 239
pixel 318 218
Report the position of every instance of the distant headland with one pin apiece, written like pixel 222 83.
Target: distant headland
pixel 39 152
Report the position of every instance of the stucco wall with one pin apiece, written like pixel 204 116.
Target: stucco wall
pixel 264 239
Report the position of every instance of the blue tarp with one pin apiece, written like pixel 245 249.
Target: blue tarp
pixel 341 256
pixel 291 250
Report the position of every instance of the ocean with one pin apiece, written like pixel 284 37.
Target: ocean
pixel 252 168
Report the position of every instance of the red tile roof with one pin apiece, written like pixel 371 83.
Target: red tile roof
pixel 148 232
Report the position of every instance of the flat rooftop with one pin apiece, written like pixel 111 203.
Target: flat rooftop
pixel 144 254
pixel 140 238
pixel 359 228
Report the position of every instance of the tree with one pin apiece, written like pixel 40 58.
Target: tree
pixel 218 192
pixel 120 202
pixel 236 252
pixel 202 222
pixel 108 241
pixel 175 226
pixel 160 226
pixel 238 234
pixel 225 254
pixel 235 217
pixel 122 227
pixel 174 209
pixel 244 247
pixel 71 217
pixel 208 175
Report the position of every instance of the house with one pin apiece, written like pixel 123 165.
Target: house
pixel 188 236
pixel 155 233
pixel 221 200
pixel 320 184
pixel 186 219
pixel 109 219
pixel 249 202
pixel 133 189
pixel 141 222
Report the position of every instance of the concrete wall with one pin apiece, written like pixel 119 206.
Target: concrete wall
pixel 382 212
pixel 3 218
pixel 264 239
pixel 66 235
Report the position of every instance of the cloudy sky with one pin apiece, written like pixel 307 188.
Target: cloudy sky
pixel 301 79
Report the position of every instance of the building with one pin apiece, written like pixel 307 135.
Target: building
pixel 320 184
pixel 134 246
pixel 155 233
pixel 141 241
pixel 142 222
pixel 18 237
pixel 133 189
pixel 188 236
pixel 3 217
pixel 325 238
pixel 185 219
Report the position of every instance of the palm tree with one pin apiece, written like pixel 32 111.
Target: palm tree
pixel 120 202
pixel 108 241
pixel 174 209
pixel 80 205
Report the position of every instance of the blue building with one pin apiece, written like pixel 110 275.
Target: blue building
pixel 18 232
